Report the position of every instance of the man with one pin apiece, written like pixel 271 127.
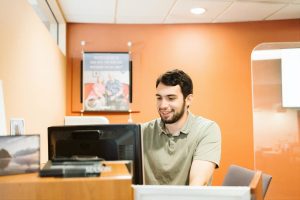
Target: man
pixel 179 147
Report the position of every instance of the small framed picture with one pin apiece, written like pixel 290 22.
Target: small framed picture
pixel 17 126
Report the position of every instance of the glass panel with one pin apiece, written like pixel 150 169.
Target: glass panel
pixel 45 13
pixel 276 129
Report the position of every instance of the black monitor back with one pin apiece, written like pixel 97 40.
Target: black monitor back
pixel 107 141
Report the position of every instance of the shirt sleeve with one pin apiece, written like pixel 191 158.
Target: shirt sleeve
pixel 209 147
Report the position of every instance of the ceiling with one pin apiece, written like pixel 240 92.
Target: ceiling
pixel 176 11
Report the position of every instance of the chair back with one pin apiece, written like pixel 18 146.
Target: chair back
pixel 256 180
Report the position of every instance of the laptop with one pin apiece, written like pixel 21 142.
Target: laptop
pixel 19 154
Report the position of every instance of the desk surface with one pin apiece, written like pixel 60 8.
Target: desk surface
pixel 112 184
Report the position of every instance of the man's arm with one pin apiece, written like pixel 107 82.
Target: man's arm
pixel 201 172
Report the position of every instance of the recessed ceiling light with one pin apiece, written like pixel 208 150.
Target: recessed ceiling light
pixel 197 11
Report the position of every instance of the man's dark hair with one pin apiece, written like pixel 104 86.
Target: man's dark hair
pixel 177 77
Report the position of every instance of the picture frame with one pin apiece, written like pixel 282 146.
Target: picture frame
pixel 106 81
pixel 19 154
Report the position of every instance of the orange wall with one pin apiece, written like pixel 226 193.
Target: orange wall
pixel 217 56
pixel 33 71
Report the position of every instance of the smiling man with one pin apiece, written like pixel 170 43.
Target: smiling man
pixel 180 148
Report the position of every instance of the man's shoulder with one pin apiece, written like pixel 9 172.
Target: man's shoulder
pixel 205 126
pixel 202 121
pixel 150 124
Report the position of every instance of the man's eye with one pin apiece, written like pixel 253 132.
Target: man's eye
pixel 171 98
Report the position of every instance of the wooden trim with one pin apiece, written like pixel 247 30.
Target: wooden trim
pixel 256 186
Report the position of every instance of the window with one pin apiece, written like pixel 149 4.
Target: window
pixel 52 18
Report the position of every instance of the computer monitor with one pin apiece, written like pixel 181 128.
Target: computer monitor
pixel 167 192
pixel 106 141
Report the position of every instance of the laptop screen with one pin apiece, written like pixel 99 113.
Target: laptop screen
pixel 19 154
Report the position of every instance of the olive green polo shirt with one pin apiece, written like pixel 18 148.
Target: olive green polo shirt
pixel 168 159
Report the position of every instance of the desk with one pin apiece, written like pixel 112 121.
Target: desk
pixel 114 184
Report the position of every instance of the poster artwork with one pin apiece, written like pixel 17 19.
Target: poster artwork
pixel 106 81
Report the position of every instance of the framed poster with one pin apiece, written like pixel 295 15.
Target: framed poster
pixel 106 81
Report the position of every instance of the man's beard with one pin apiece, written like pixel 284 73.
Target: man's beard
pixel 177 116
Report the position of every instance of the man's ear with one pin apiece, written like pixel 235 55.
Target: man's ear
pixel 188 100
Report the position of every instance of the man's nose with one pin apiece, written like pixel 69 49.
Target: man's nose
pixel 163 103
